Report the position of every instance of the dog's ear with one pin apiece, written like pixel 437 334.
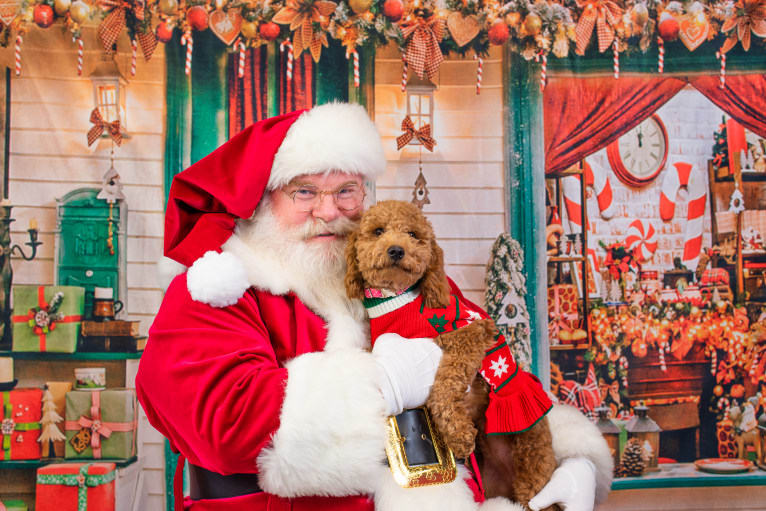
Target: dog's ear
pixel 354 281
pixel 434 285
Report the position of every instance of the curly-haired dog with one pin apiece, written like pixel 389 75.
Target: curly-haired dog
pixel 393 257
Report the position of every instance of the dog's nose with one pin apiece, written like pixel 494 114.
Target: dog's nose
pixel 395 252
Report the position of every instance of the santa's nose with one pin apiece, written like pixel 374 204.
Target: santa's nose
pixel 395 252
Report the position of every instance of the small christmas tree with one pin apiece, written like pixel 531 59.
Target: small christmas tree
pixel 50 431
pixel 720 148
pixel 633 460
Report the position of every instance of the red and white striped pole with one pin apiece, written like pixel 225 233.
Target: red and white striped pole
pixel 287 44
pixel 17 53
pixel 188 41
pixel 616 60
pixel 241 62
pixel 479 66
pixel 722 57
pixel 133 56
pixel 80 52
pixel 355 55
pixel 404 74
pixel 661 57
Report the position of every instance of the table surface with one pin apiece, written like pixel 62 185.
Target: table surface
pixel 685 475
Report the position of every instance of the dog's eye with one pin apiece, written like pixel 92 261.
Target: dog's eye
pixel 378 231
pixel 412 234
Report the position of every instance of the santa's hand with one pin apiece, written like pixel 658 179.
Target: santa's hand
pixel 572 485
pixel 406 370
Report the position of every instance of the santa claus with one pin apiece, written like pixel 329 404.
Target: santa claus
pixel 258 368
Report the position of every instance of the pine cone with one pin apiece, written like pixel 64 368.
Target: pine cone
pixel 632 463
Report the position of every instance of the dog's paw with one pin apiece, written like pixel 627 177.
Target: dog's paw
pixel 462 441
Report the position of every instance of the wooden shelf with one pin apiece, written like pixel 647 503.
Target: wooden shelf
pixel 751 177
pixel 684 475
pixel 78 355
pixel 35 464
pixel 566 259
pixel 571 171
pixel 570 347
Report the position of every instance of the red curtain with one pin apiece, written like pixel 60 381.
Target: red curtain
pixel 297 93
pixel 582 115
pixel 743 98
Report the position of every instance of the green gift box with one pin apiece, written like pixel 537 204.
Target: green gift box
pixel 47 318
pixel 14 505
pixel 101 424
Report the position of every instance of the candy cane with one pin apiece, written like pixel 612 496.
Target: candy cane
pixel 241 64
pixel 355 54
pixel 683 174
pixel 597 179
pixel 17 53
pixel 642 239
pixel 404 74
pixel 661 56
pixel 663 365
pixel 479 66
pixel 722 57
pixel 616 61
pixel 188 41
pixel 80 51
pixel 543 71
pixel 134 52
pixel 287 44
pixel 713 361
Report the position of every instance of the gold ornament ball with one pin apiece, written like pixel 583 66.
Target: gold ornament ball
pixel 533 24
pixel 169 7
pixel 61 6
pixel 639 15
pixel 513 19
pixel 79 11
pixel 359 6
pixel 249 29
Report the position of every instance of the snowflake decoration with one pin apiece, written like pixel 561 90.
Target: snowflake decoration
pixel 499 366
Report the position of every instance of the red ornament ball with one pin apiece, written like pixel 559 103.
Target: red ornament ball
pixel 164 32
pixel 269 31
pixel 393 9
pixel 198 17
pixel 498 33
pixel 668 27
pixel 43 15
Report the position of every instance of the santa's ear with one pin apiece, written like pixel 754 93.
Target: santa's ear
pixel 354 281
pixel 434 285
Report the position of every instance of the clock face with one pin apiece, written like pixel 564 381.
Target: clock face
pixel 639 155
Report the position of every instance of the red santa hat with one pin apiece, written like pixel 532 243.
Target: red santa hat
pixel 207 198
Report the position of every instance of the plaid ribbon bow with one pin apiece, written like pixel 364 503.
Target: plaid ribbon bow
pixel 423 54
pixel 110 28
pixel 99 125
pixel 423 135
pixel 604 15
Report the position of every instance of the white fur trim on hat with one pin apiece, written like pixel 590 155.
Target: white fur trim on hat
pixel 334 136
pixel 167 270
pixel 217 279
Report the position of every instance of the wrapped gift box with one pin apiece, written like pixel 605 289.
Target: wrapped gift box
pixel 47 318
pixel 13 505
pixel 714 277
pixel 75 487
pixel 563 313
pixel 101 424
pixel 58 389
pixel 22 411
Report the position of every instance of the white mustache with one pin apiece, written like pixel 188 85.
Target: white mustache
pixel 340 226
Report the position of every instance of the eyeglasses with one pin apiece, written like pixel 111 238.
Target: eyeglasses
pixel 347 197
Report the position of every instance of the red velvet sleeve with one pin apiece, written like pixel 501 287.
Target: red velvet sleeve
pixel 209 380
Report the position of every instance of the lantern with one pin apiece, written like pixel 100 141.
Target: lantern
pixel 647 432
pixel 109 92
pixel 610 431
pixel 420 105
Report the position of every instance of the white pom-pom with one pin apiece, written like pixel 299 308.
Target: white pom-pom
pixel 217 279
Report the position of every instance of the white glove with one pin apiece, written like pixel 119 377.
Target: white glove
pixel 406 370
pixel 573 485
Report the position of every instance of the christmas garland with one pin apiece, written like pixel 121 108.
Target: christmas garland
pixel 423 31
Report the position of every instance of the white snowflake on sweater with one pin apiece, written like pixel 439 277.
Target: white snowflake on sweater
pixel 499 366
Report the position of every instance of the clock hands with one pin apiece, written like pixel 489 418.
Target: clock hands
pixel 640 136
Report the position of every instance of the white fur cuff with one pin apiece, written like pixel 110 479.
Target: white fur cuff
pixel 217 279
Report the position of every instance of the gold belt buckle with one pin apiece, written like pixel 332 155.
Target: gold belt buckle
pixel 432 464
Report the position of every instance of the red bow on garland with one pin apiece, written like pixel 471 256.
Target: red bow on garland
pixel 99 125
pixel 423 53
pixel 423 135
pixel 604 15
pixel 110 28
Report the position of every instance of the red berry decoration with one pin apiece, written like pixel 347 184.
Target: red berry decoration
pixel 43 15
pixel 668 27
pixel 393 9
pixel 499 33
pixel 164 32
pixel 197 17
pixel 269 31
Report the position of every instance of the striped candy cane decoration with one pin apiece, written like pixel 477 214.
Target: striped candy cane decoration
pixel 641 239
pixel 479 71
pixel 597 179
pixel 616 60
pixel 713 361
pixel 354 54
pixel 188 41
pixel 80 52
pixel 663 365
pixel 684 175
pixel 404 74
pixel 661 57
pixel 133 54
pixel 241 63
pixel 287 44
pixel 543 58
pixel 722 57
pixel 17 53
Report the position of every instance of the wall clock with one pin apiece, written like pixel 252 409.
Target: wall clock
pixel 639 155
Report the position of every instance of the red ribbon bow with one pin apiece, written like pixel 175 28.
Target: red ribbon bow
pixel 423 135
pixel 604 15
pixel 423 54
pixel 110 28
pixel 99 125
pixel 100 428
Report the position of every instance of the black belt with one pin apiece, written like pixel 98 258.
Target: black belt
pixel 204 484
